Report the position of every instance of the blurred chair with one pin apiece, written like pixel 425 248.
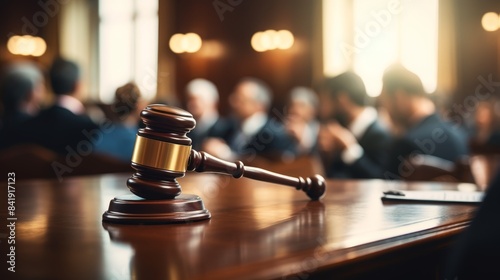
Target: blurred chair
pixel 431 168
pixel 31 161
pixel 28 161
pixel 478 168
pixel 97 163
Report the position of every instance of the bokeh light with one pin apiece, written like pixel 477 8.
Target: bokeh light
pixel 181 43
pixel 271 40
pixel 26 45
pixel 490 21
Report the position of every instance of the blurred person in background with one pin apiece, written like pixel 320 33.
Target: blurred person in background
pixel 256 134
pixel 22 90
pixel 202 103
pixel 119 141
pixel 422 130
pixel 64 125
pixel 352 138
pixel 301 120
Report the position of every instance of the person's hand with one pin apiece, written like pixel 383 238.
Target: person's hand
pixel 326 142
pixel 218 148
pixel 342 137
pixel 295 126
pixel 335 138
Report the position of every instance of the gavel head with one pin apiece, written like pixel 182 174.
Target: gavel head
pixel 161 152
pixel 316 188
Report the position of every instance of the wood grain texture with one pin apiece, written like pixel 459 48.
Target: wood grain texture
pixel 257 231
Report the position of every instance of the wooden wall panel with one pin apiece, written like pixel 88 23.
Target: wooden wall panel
pixel 231 32
pixel 478 51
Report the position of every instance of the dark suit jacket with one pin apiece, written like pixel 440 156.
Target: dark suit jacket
pixel 494 139
pixel 58 129
pixel 432 136
pixel 222 128
pixel 271 142
pixel 9 125
pixel 476 254
pixel 375 142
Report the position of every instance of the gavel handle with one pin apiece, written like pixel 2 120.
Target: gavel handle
pixel 204 162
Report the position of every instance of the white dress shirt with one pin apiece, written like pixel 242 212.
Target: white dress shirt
pixel 358 128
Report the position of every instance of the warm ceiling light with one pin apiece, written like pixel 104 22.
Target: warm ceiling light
pixel 268 39
pixel 190 43
pixel 490 21
pixel 26 45
pixel 271 40
pixel 256 42
pixel 285 39
pixel 176 43
pixel 40 47
pixel 12 44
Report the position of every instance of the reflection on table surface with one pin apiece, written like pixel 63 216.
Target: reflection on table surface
pixel 257 230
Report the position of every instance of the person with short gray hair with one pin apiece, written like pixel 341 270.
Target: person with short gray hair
pixel 202 98
pixel 22 90
pixel 257 134
pixel 301 122
pixel 204 89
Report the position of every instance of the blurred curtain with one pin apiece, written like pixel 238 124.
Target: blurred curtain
pixel 447 69
pixel 78 41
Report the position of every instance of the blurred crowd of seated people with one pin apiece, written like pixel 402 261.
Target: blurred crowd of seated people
pixel 64 127
pixel 60 126
pixel 250 132
pixel 337 122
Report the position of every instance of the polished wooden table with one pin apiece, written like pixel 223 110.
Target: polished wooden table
pixel 257 231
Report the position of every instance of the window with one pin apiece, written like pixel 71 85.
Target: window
pixel 367 36
pixel 128 46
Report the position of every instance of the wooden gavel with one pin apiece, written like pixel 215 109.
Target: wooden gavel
pixel 163 153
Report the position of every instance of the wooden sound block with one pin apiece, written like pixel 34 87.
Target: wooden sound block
pixel 132 209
